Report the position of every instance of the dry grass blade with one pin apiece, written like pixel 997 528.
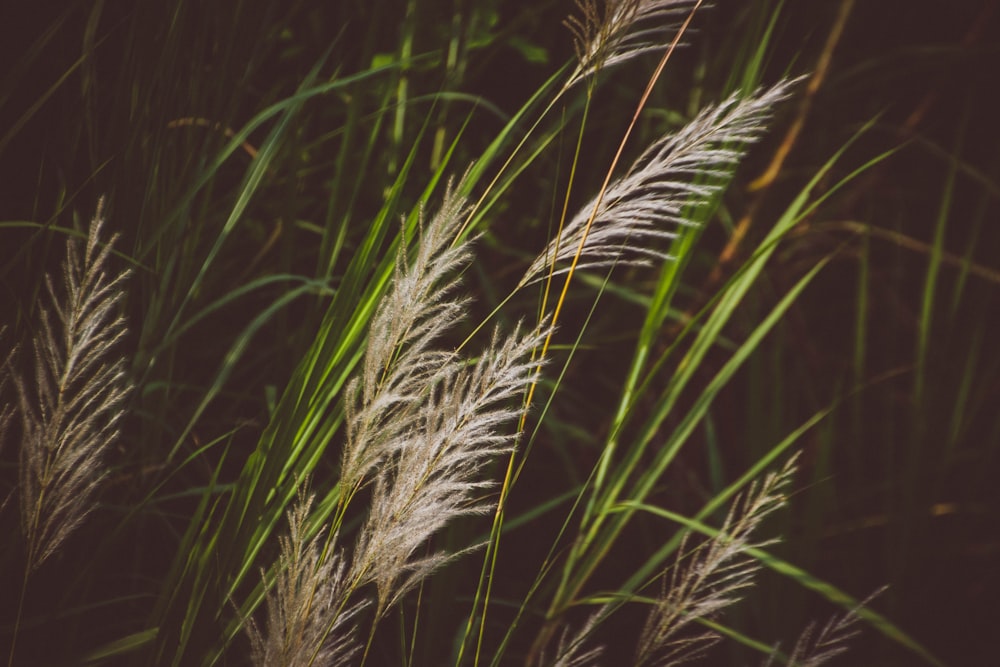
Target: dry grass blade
pixel 308 620
pixel 620 30
pixel 710 578
pixel 70 415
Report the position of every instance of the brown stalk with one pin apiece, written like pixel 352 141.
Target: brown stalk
pixel 762 183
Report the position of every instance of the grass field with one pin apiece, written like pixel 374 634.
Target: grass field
pixel 470 333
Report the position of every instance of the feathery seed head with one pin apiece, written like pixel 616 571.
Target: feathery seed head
pixel 400 361
pixel 621 30
pixel 308 618
pixel 641 211
pixel 70 413
pixel 710 577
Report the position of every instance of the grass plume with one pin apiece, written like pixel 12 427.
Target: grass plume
pixel 702 582
pixel 308 620
pixel 400 360
pixel 436 476
pixel 616 31
pixel 663 188
pixel 7 410
pixel 425 425
pixel 70 414
pixel 711 577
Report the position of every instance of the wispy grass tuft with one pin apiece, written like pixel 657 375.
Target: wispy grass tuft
pixel 400 361
pixel 426 424
pixel 617 31
pixel 710 578
pixel 7 411
pixel 428 420
pixel 308 620
pixel 638 214
pixel 71 409
pixel 572 650
pixel 70 414
pixel 815 648
pixel 436 475
pixel 702 582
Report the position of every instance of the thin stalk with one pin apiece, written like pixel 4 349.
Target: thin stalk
pixel 493 545
pixel 547 631
pixel 368 644
pixel 607 181
pixel 17 619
